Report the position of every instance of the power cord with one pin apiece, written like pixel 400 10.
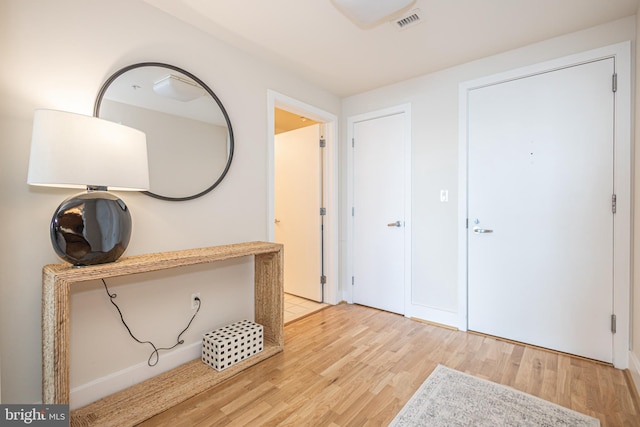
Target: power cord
pixel 154 358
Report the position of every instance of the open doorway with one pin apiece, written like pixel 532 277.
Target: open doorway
pixel 293 121
pixel 298 202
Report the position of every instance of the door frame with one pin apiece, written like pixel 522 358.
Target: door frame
pixel 330 182
pixel 348 271
pixel 621 53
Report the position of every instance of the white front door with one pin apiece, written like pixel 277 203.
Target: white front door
pixel 379 212
pixel 298 187
pixel 540 231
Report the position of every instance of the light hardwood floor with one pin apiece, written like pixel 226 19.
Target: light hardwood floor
pixel 349 365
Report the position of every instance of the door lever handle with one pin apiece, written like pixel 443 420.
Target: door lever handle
pixel 395 224
pixel 481 230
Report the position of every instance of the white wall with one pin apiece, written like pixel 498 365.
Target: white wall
pixel 434 106
pixel 634 355
pixel 57 55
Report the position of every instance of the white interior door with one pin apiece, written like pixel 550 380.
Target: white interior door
pixel 378 213
pixel 540 232
pixel 297 209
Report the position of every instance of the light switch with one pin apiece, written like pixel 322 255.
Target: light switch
pixel 444 195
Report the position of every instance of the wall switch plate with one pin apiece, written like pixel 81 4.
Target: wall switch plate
pixel 444 195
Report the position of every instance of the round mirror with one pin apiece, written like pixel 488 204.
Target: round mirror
pixel 189 135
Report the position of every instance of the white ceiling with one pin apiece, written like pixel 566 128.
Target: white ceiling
pixel 313 39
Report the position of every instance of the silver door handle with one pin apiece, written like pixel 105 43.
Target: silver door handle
pixel 481 230
pixel 395 224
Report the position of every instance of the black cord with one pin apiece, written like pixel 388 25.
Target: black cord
pixel 154 358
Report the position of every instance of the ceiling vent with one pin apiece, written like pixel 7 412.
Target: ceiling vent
pixel 409 19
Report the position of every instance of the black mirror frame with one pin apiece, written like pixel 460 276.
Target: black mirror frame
pixel 107 83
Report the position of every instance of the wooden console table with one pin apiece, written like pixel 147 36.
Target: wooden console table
pixel 159 393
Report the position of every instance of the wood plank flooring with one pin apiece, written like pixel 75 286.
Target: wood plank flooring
pixel 349 365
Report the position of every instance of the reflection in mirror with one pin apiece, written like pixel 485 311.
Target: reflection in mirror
pixel 189 136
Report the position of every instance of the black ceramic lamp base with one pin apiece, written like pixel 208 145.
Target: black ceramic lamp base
pixel 90 228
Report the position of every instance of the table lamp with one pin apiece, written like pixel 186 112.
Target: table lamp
pixel 76 151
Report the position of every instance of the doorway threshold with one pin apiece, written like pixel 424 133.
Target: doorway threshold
pixel 296 307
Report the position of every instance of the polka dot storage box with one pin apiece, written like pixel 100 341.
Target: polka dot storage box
pixel 231 344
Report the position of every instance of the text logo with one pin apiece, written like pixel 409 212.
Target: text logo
pixel 37 415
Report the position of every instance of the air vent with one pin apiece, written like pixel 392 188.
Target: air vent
pixel 407 20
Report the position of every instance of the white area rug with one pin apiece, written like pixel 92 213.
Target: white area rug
pixel 451 398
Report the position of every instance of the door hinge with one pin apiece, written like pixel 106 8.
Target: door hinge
pixel 353 211
pixel 353 143
pixel 613 323
pixel 614 203
pixel 353 280
pixel 323 142
pixel 614 82
pixel 323 280
pixel 323 211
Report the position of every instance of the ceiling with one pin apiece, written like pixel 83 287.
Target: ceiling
pixel 286 121
pixel 314 40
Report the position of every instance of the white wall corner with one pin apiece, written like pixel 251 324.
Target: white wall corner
pixel 634 368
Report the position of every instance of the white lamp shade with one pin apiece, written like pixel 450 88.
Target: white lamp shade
pixel 365 13
pixel 76 151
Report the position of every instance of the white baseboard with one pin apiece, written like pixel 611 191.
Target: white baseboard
pixel 634 368
pixel 90 392
pixel 434 315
